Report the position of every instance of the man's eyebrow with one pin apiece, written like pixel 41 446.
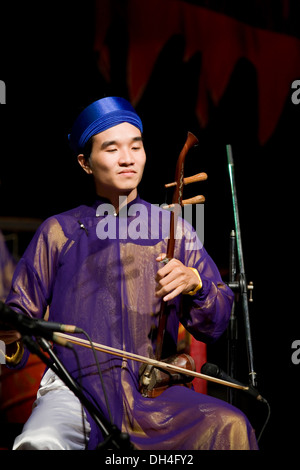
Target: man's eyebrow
pixel 107 143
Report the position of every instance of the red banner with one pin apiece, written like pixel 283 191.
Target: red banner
pixel 222 40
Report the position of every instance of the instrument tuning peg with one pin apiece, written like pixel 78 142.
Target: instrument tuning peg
pixel 250 287
pixel 189 179
pixel 194 200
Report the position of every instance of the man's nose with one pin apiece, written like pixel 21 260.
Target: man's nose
pixel 126 157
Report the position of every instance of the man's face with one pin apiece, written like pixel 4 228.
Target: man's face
pixel 117 161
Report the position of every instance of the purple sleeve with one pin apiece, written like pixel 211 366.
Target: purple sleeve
pixel 32 282
pixel 206 314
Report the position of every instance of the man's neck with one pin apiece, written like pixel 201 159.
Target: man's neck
pixel 120 200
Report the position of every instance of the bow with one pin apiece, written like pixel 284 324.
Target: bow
pixel 170 366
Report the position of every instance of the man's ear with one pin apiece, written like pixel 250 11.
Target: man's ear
pixel 83 162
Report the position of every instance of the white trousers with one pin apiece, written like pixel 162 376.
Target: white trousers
pixel 57 422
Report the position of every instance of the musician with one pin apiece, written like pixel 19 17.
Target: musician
pixel 100 267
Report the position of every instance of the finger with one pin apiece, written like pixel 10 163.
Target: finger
pixel 172 293
pixel 161 273
pixel 165 270
pixel 161 257
pixel 167 274
pixel 169 285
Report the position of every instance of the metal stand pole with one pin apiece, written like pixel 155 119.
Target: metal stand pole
pixel 232 331
pixel 241 284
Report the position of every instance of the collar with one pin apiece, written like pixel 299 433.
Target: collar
pixel 124 211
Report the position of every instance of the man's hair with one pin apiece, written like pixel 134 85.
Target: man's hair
pixel 87 150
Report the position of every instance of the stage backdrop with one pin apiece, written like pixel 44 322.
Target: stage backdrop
pixel 222 34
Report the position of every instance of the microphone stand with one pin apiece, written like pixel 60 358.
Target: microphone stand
pixel 239 285
pixel 232 331
pixel 111 434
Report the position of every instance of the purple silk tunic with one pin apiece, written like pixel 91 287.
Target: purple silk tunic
pixel 97 271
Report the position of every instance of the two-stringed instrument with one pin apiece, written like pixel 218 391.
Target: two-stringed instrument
pixel 154 380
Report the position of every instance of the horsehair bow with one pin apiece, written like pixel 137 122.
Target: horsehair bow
pixel 177 203
pixel 63 339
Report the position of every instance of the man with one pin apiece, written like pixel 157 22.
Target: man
pixel 99 267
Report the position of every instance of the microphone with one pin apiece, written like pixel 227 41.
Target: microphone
pixel 214 371
pixel 9 319
pixel 54 326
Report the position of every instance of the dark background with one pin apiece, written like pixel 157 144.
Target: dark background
pixel 50 69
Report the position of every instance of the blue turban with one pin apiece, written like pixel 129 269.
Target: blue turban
pixel 99 116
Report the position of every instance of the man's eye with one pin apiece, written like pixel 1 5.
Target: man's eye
pixel 111 150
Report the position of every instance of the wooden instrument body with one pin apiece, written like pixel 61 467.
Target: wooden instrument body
pixel 153 381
